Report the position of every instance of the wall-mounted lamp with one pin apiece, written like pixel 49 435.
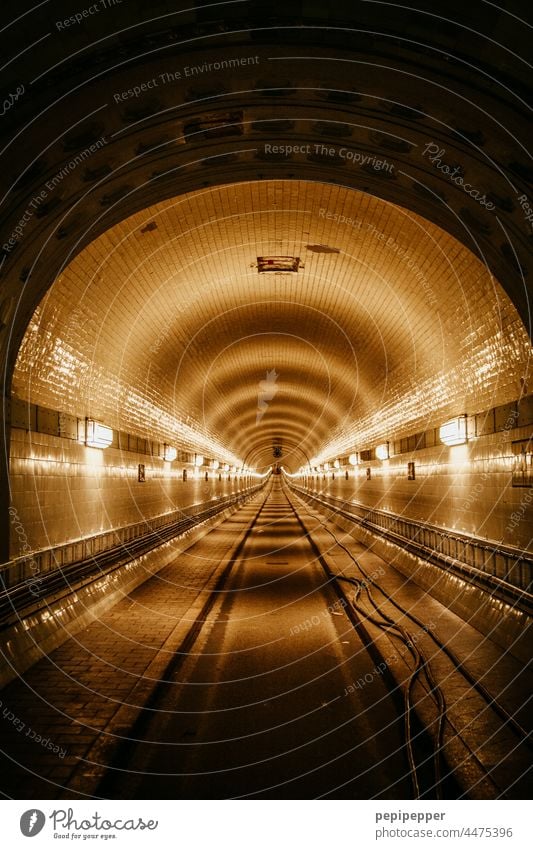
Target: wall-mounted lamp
pixel 198 460
pixel 382 451
pixel 96 435
pixel 169 453
pixel 215 464
pixel 454 432
pixel 337 464
pixel 353 460
pixel 226 467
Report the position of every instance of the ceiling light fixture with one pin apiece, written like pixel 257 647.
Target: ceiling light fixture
pixel 97 435
pixel 454 432
pixel 382 451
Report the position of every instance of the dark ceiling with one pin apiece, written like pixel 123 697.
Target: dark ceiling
pixel 376 77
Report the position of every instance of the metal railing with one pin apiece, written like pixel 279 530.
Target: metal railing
pixel 91 558
pixel 505 571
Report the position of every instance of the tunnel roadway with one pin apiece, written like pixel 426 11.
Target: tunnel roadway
pixel 234 672
pixel 264 706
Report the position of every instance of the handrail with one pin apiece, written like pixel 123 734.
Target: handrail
pixel 508 550
pixel 44 559
pixel 513 585
pixel 22 596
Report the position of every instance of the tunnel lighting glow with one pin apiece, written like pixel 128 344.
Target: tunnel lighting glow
pixel 382 451
pixel 337 464
pixel 326 467
pixel 353 460
pixel 169 453
pixel 226 467
pixel 215 464
pixel 97 435
pixel 460 457
pixel 198 460
pixel 453 432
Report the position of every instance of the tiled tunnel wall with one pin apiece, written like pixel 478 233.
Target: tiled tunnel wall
pixel 466 488
pixel 173 331
pixel 62 490
pixel 390 324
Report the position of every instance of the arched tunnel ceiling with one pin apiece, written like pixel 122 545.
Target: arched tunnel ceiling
pixel 145 102
pixel 164 323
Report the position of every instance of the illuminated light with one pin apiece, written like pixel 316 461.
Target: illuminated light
pixel 337 464
pixel 95 457
pixel 288 474
pixel 215 464
pixel 226 467
pixel 198 460
pixel 353 460
pixel 326 467
pixel 97 435
pixel 169 453
pixel 454 432
pixel 382 451
pixel 460 456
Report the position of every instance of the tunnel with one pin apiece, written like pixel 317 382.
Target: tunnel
pixel 267 410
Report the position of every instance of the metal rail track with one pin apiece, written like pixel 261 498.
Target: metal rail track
pixel 122 760
pixel 422 665
pixel 123 756
pixel 416 742
pixel 500 589
pixel 20 599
